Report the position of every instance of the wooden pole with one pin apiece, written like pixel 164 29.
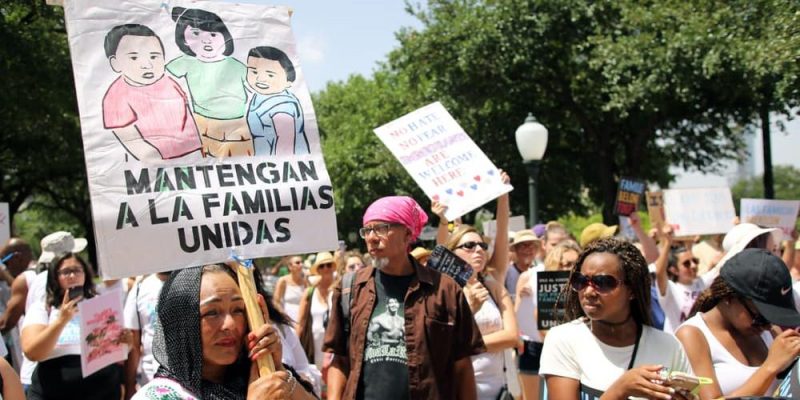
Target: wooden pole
pixel 255 317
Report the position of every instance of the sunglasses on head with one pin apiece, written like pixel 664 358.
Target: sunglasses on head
pixel 600 283
pixel 758 320
pixel 471 245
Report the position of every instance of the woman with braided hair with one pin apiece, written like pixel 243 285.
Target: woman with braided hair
pixel 608 349
pixel 728 338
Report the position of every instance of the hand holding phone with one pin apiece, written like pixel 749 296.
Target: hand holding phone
pixel 75 292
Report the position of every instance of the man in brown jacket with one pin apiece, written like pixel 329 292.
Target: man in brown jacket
pixel 431 358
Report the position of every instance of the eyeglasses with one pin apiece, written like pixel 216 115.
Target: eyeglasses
pixel 600 283
pixel 326 265
pixel 688 263
pixel 70 271
pixel 471 246
pixel 379 229
pixel 758 320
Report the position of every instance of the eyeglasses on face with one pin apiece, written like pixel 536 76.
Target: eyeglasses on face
pixel 326 265
pixel 70 271
pixel 472 246
pixel 688 263
pixel 600 283
pixel 758 320
pixel 379 229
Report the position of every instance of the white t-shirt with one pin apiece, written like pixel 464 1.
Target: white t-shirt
pixel 526 309
pixel 32 279
pixel 677 302
pixel 572 351
pixel 140 314
pixel 68 341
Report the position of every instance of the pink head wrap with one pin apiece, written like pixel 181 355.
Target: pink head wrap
pixel 398 209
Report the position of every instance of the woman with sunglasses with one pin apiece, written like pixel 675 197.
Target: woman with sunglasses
pixel 609 350
pixel 730 338
pixel 491 307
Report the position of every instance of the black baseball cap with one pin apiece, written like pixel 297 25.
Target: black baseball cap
pixel 764 279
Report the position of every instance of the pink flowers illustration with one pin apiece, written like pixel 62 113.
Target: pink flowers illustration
pixel 105 338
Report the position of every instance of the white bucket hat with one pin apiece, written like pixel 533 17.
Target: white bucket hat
pixel 59 243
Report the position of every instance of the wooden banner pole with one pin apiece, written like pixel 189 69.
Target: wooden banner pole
pixel 255 317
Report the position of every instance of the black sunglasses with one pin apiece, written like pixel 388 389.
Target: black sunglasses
pixel 758 320
pixel 601 283
pixel 688 263
pixel 471 245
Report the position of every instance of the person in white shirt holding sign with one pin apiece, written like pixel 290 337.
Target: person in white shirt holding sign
pixel 51 336
pixel 678 293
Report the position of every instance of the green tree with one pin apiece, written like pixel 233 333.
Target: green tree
pixel 787 186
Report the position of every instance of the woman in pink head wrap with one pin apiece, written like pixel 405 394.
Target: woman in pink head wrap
pixel 398 209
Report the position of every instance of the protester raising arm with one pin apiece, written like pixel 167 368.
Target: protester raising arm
pixel 442 231
pixel 662 262
pixel 500 256
pixel 649 249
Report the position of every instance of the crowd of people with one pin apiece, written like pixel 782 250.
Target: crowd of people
pixel 643 316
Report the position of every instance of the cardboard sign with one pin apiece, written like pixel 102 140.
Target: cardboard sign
pixel 771 214
pixel 446 164
pixel 655 209
pixel 5 224
pixel 190 152
pixel 628 195
pixel 702 211
pixel 515 223
pixel 549 285
pixel 446 262
pixel 101 332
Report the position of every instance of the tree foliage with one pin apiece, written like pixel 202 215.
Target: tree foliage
pixel 626 88
pixel 787 186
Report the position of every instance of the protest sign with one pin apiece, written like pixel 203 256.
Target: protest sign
pixel 699 211
pixel 655 209
pixel 446 164
pixel 771 214
pixel 628 195
pixel 549 285
pixel 101 332
pixel 194 149
pixel 5 224
pixel 625 228
pixel 446 262
pixel 515 223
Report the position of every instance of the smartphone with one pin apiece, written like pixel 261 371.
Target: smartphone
pixel 685 381
pixel 342 246
pixel 75 292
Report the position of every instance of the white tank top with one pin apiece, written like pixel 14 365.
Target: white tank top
pixel 291 300
pixel 318 311
pixel 488 367
pixel 731 373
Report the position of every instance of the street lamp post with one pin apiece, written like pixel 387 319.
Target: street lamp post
pixel 531 141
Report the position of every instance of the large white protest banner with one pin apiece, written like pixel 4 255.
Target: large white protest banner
pixel 771 213
pixel 699 211
pixel 446 164
pixel 199 134
pixel 5 224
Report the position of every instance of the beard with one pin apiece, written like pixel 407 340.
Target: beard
pixel 380 262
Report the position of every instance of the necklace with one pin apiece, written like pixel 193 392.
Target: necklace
pixel 612 325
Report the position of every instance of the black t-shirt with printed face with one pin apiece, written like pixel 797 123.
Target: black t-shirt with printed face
pixel 385 369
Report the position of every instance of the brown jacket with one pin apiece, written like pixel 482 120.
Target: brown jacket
pixel 439 329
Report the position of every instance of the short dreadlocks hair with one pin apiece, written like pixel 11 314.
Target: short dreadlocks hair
pixel 634 270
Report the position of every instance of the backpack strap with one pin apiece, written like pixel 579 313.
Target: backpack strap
pixel 346 300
